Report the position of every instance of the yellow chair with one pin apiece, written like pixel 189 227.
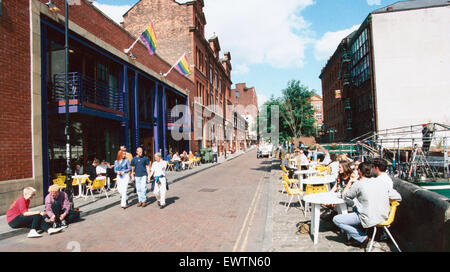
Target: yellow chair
pixel 284 169
pixel 315 189
pixel 61 182
pixel 387 224
pixel 289 181
pixel 293 192
pixel 170 166
pixel 190 163
pixel 97 184
pixel 198 160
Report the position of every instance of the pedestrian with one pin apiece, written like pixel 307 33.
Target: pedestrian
pixel 18 215
pixel 122 168
pixel 140 173
pixel 158 170
pixel 214 153
pixel 129 157
pixel 57 208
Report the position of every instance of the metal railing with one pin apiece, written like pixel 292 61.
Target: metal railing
pixel 86 89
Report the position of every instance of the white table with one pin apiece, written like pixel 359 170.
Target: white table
pixel 317 180
pixel 320 199
pixel 78 178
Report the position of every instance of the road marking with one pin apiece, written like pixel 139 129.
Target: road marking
pixel 249 227
pixel 251 210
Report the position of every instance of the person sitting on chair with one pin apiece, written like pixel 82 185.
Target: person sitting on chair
pixel 57 208
pixel 371 208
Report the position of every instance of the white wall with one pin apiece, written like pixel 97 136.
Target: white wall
pixel 412 66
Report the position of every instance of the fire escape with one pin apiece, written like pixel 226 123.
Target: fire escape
pixel 345 76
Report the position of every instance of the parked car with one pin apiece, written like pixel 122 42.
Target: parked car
pixel 264 150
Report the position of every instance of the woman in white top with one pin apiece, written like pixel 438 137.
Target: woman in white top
pixel 371 208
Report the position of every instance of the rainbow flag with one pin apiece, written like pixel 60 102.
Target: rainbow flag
pixel 183 66
pixel 148 37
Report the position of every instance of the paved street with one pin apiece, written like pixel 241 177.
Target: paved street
pixel 220 209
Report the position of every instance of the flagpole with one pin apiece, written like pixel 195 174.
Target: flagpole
pixel 171 68
pixel 131 47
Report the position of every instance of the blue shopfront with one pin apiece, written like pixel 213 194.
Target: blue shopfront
pixel 111 103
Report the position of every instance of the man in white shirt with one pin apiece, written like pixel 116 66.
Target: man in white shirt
pixel 158 170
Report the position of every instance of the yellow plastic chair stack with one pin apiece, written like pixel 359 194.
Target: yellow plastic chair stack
pixel 387 224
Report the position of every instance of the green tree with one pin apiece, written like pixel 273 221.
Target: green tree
pixel 296 112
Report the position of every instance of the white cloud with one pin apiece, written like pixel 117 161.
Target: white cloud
pixel 240 69
pixel 114 12
pixel 374 2
pixel 260 31
pixel 326 46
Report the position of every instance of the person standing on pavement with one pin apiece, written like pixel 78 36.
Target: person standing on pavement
pixel 158 170
pixel 140 172
pixel 122 168
pixel 214 153
pixel 57 208
pixel 18 215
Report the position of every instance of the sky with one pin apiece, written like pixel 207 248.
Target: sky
pixel 272 42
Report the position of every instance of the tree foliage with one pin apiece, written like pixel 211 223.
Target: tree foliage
pixel 296 111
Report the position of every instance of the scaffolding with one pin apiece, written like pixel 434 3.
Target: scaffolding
pixel 416 153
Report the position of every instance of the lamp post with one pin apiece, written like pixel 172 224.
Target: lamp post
pixel 69 188
pixel 53 8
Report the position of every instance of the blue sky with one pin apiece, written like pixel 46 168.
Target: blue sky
pixel 272 42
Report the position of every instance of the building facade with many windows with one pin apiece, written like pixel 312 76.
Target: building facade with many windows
pixel 391 70
pixel 180 28
pixel 114 99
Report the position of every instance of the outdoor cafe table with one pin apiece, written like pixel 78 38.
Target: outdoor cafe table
pixel 321 199
pixel 78 179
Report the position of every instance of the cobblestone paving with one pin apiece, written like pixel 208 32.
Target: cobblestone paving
pixel 283 232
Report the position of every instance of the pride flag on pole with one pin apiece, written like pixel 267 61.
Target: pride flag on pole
pixel 183 66
pixel 148 37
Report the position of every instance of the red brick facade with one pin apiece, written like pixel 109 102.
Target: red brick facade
pixel 246 97
pixel 180 29
pixel 15 92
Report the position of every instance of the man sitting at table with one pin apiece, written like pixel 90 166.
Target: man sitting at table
pixel 371 208
pixel 57 208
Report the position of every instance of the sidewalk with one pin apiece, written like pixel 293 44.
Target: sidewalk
pixel 88 207
pixel 281 229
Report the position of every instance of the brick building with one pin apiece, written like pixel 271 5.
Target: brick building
pixel 180 28
pixel 114 99
pixel 382 85
pixel 246 101
pixel 317 104
pixel 335 91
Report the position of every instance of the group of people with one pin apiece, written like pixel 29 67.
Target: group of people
pixel 180 162
pixel 140 170
pixel 57 213
pixel 365 186
pixel 55 217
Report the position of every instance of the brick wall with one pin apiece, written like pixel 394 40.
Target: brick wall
pixel 15 92
pixel 247 97
pixel 171 22
pixel 92 20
